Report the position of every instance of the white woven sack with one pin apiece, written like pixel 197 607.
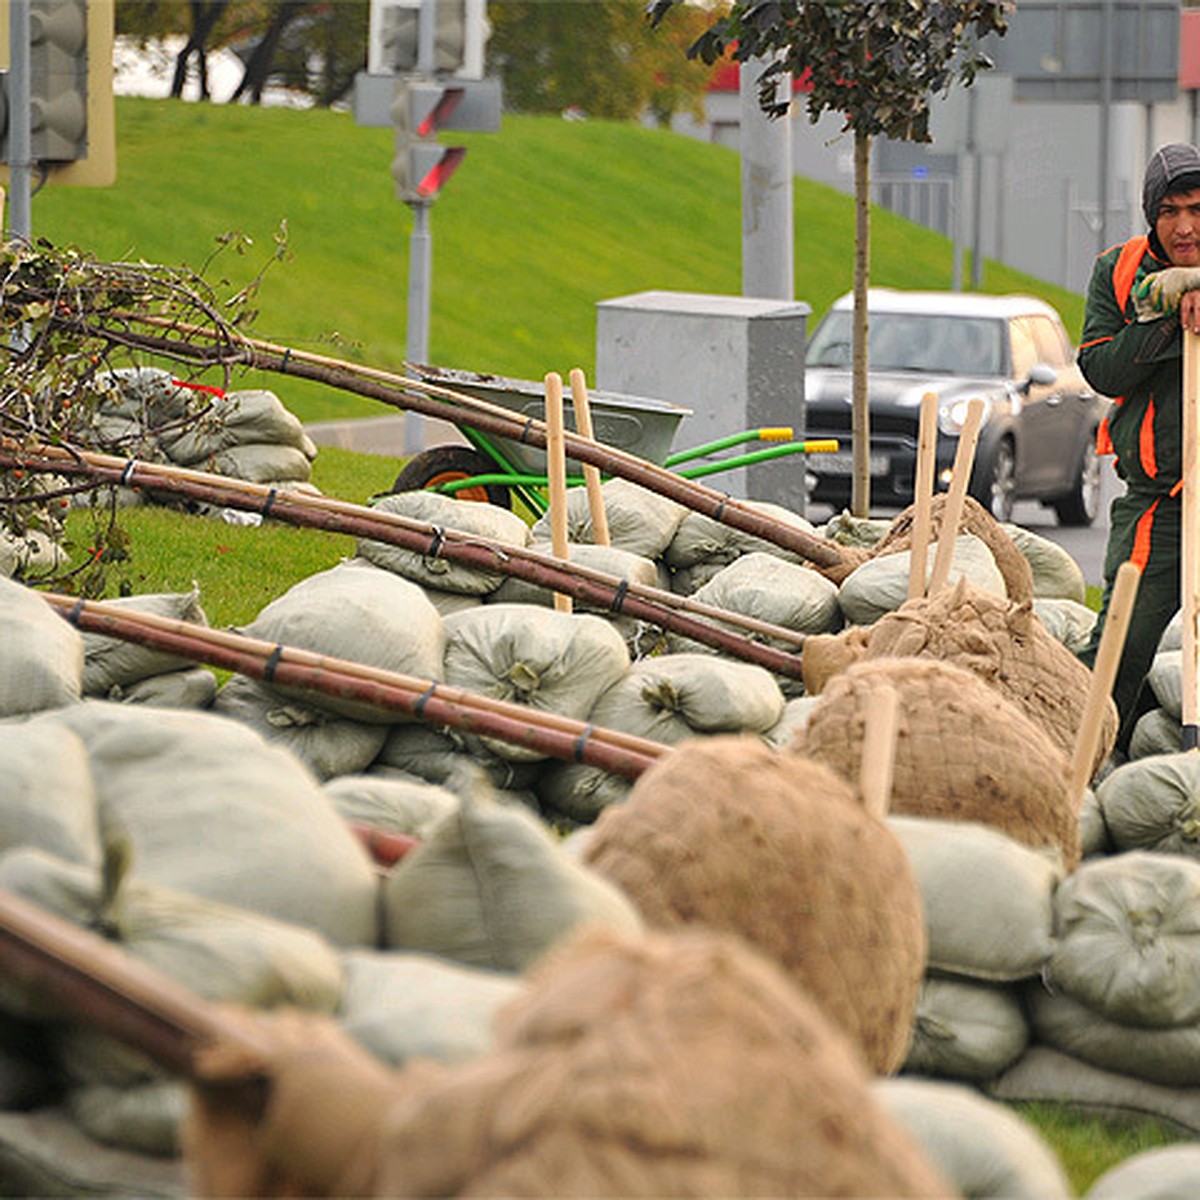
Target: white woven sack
pixel 966 1030
pixel 1170 1057
pixel 110 662
pixel 41 656
pixel 577 792
pixel 1165 679
pixel 491 888
pixel 1172 636
pixel 1126 941
pixel 147 395
pixel 983 1148
pixel 620 564
pixel 639 520
pixel 988 899
pixel 1164 1173
pixel 880 585
pixel 209 807
pixel 1093 833
pixel 327 744
pixel 393 805
pixel 544 659
pixel 488 522
pixel 1156 732
pixel 1066 620
pixel 402 1006
pixel 47 796
pixel 437 755
pixel 145 1118
pixel 361 614
pixel 848 530
pixel 33 553
pixel 701 539
pixel 1056 575
pixel 192 688
pixel 1154 804
pixel 255 416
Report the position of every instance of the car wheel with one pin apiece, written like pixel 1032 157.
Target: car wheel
pixel 996 488
pixel 1081 504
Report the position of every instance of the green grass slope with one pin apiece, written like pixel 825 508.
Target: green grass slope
pixel 543 220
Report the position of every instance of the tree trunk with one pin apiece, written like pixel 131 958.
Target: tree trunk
pixel 205 15
pixel 860 431
pixel 262 59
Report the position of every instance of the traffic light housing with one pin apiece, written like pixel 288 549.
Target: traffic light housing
pixel 72 131
pixel 422 165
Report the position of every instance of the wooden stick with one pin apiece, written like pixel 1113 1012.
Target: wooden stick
pixel 879 751
pixel 923 495
pixel 956 498
pixel 556 478
pixel 1108 658
pixel 591 474
pixel 1189 566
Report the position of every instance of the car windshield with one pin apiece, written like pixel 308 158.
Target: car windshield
pixel 912 342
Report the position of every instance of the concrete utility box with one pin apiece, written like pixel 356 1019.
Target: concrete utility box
pixel 736 362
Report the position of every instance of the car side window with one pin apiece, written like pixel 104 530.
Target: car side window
pixel 1024 348
pixel 1051 342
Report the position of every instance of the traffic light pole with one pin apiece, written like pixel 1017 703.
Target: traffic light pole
pixel 420 275
pixel 20 137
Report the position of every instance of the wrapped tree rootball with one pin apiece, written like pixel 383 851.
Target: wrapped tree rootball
pixel 728 833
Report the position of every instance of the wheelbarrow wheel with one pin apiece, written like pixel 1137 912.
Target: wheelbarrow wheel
pixel 448 464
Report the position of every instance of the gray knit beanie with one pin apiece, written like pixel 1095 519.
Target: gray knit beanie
pixel 1174 168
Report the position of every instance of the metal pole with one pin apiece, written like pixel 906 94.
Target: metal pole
pixel 1106 96
pixel 768 257
pixel 20 138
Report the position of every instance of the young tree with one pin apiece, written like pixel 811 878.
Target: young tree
pixel 877 62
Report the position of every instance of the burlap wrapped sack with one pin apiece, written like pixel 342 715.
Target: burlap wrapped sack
pixel 361 614
pixel 41 656
pixel 728 833
pixel 491 888
pixel 825 654
pixel 1007 647
pixel 639 520
pixel 988 900
pixel 965 1030
pixel 880 585
pixel 486 521
pixel 211 808
pixel 681 1065
pixel 985 1149
pixel 1151 1175
pixel 327 744
pixel 963 751
pixel 403 1006
pixel 1056 575
pixel 110 662
pixel 49 796
pixel 552 661
pixel 1012 564
pixel 1154 804
pixel 1125 939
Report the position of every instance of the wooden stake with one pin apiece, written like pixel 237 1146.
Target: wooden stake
pixel 556 476
pixel 591 474
pixel 923 495
pixel 879 751
pixel 956 498
pixel 1108 658
pixel 1189 564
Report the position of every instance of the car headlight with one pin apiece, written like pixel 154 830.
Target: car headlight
pixel 953 416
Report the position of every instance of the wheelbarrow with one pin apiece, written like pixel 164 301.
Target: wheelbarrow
pixel 501 470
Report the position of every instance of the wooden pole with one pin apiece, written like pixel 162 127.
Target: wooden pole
pixel 879 751
pixel 591 474
pixel 956 498
pixel 556 478
pixel 1108 658
pixel 1189 563
pixel 923 495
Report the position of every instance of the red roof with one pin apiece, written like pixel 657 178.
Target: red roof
pixel 725 78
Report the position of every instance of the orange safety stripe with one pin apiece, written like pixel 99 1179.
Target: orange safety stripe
pixel 1146 442
pixel 1104 442
pixel 1141 538
pixel 1125 270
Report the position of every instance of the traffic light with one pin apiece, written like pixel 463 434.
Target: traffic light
pixel 460 31
pixel 422 165
pixel 70 91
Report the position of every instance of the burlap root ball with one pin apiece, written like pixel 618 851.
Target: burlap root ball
pixel 728 833
pixel 962 752
pixel 1011 563
pixel 670 1065
pixel 1007 646
pixel 825 654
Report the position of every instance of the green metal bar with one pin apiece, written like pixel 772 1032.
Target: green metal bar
pixel 741 460
pixel 521 486
pixel 725 443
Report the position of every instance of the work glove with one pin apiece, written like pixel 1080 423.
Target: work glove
pixel 1159 294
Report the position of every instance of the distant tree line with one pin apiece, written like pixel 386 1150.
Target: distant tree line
pixel 600 57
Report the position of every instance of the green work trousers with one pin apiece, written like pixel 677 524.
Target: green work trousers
pixel 1144 527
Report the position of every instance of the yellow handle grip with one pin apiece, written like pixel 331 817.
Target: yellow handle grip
pixel 821 446
pixel 776 433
